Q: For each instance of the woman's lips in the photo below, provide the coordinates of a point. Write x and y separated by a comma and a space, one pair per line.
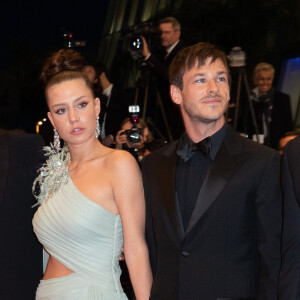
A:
77, 130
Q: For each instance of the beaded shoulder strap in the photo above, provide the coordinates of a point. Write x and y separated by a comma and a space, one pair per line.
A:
52, 174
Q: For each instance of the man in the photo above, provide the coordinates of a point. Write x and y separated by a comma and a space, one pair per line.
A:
213, 214
288, 136
272, 108
289, 287
114, 102
170, 40
20, 253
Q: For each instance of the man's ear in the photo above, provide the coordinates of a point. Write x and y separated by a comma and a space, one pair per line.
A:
51, 119
176, 95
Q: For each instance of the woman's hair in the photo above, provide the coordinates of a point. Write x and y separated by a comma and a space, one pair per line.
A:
64, 65
263, 66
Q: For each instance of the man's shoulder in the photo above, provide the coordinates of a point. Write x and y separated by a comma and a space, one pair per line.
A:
281, 97
160, 153
238, 143
293, 147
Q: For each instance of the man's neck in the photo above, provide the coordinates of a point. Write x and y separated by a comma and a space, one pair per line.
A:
197, 131
170, 48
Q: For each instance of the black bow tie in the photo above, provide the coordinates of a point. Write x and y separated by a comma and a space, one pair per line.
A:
188, 150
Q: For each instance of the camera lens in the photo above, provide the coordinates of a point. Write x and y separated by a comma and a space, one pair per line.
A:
133, 135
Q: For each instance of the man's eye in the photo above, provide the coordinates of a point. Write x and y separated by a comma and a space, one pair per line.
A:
83, 104
201, 80
221, 79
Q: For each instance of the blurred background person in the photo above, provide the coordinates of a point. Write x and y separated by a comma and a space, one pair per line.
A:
138, 149
170, 31
272, 108
288, 136
114, 102
20, 252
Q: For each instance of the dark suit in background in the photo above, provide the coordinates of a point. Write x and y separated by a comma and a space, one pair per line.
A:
20, 253
116, 110
289, 281
231, 248
160, 67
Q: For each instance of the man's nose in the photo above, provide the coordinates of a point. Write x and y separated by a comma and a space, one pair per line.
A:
212, 86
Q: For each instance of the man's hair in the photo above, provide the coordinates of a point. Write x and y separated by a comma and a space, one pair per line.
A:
192, 56
100, 68
175, 24
263, 66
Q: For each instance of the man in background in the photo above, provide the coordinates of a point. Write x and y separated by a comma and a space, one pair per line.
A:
170, 31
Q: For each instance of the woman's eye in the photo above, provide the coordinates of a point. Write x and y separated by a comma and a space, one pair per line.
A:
83, 104
61, 111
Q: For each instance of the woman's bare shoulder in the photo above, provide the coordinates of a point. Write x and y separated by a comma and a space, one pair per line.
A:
121, 160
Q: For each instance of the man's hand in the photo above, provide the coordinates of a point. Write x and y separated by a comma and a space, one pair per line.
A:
145, 51
120, 139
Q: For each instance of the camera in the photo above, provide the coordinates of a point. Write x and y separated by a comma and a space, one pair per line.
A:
133, 134
147, 30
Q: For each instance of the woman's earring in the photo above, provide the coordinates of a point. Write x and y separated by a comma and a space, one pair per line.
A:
56, 142
97, 131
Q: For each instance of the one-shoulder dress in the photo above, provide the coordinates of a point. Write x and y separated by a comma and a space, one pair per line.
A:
84, 237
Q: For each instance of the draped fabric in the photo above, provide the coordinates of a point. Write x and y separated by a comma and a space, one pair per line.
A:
84, 237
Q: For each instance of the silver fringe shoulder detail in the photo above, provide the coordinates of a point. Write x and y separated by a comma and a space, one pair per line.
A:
52, 174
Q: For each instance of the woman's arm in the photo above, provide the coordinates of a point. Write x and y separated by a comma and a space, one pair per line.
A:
129, 196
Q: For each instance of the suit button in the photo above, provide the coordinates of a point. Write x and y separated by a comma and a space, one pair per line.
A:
185, 253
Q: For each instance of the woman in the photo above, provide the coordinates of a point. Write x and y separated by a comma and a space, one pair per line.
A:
272, 108
91, 197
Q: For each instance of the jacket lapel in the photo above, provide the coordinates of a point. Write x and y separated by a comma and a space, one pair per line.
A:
167, 187
221, 170
4, 161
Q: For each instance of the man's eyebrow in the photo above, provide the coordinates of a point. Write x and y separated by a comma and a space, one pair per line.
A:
203, 74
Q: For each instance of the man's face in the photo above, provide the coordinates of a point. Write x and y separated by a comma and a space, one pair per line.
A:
205, 94
168, 35
264, 81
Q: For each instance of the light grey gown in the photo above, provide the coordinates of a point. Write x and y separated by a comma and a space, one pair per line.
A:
84, 237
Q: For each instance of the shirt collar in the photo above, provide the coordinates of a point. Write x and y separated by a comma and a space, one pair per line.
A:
216, 141
107, 91
169, 49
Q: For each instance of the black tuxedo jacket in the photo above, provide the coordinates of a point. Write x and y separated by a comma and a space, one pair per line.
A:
289, 282
161, 66
231, 248
20, 253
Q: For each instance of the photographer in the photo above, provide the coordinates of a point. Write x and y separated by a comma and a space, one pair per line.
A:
138, 149
170, 40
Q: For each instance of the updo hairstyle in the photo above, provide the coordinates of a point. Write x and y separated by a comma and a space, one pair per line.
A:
64, 65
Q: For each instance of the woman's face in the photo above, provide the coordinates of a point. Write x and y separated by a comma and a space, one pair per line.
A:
73, 110
90, 73
264, 81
